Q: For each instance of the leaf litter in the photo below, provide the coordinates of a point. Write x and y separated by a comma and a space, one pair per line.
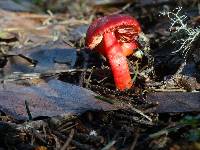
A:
43, 55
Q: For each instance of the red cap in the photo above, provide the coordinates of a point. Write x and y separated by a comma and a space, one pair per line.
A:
125, 27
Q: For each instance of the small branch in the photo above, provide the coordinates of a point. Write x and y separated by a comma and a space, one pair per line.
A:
28, 111
71, 135
135, 140
109, 145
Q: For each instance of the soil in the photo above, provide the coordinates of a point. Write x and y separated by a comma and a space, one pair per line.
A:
138, 122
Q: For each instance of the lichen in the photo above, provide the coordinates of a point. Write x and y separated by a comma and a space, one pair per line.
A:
182, 34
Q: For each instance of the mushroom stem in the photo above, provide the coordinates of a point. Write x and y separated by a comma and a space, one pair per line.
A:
117, 60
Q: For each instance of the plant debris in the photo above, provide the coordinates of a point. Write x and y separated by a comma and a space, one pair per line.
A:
55, 93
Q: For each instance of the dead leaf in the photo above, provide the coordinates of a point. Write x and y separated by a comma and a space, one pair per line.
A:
31, 28
14, 6
78, 33
52, 98
51, 57
175, 101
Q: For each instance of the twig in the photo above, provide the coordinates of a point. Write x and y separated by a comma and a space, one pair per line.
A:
109, 145
165, 131
136, 71
73, 22
71, 135
28, 110
57, 141
22, 76
123, 8
63, 130
89, 78
135, 140
64, 125
142, 114
170, 90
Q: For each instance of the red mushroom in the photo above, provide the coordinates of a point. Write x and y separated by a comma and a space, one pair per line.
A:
115, 37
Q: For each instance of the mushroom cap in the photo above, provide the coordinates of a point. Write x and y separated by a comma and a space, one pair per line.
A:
126, 28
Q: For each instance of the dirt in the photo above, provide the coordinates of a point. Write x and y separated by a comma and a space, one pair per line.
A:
161, 111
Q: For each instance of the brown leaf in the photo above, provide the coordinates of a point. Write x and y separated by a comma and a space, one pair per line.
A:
33, 28
49, 58
175, 101
52, 98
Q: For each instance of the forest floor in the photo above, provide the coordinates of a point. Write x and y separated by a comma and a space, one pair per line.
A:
56, 93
